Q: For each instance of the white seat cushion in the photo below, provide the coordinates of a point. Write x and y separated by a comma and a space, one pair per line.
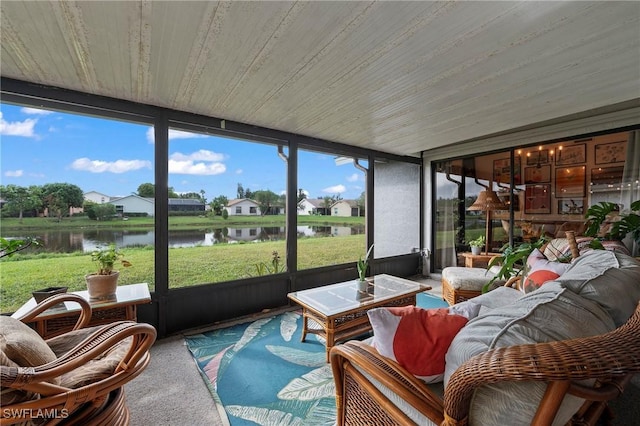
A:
468, 278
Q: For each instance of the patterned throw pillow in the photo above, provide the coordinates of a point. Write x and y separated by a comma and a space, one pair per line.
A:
558, 248
21, 346
541, 270
418, 338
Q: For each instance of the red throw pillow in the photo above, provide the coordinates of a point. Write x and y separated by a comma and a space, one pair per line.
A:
416, 338
540, 270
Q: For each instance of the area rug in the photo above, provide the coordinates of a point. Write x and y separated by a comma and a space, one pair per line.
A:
259, 372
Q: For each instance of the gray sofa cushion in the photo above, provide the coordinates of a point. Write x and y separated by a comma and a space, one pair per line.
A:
495, 298
548, 314
611, 279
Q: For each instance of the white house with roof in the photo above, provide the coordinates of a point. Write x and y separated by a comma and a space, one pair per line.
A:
134, 204
242, 207
308, 206
345, 208
97, 197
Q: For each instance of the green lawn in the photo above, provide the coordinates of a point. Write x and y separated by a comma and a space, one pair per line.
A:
21, 275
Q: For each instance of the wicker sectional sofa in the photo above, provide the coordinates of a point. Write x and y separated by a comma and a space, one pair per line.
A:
530, 358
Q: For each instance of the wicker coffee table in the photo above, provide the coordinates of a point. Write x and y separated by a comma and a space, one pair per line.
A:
338, 312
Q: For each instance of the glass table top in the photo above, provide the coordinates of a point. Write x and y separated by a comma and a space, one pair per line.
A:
341, 297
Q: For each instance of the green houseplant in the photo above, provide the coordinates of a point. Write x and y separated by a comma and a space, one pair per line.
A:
103, 284
363, 265
512, 260
477, 244
607, 222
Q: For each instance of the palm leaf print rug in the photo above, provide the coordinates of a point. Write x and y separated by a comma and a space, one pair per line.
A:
261, 373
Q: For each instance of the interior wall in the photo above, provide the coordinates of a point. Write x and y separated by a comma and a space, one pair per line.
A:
575, 128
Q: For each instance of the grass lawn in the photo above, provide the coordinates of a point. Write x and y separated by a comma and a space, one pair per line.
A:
20, 275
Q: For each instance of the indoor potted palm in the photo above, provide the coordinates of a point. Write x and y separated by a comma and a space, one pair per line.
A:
102, 285
607, 222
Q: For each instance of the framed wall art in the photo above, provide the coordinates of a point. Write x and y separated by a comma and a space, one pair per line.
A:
537, 199
613, 152
571, 154
606, 175
502, 171
570, 182
537, 174
571, 206
537, 157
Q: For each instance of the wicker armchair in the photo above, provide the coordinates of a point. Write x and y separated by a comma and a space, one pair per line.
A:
44, 393
611, 358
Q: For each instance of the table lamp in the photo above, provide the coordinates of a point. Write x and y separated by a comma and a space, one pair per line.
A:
487, 201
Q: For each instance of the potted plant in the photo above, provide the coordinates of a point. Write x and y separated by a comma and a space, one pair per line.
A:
512, 260
102, 285
607, 222
363, 265
477, 244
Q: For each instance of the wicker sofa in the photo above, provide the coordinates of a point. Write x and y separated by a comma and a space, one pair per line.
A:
552, 356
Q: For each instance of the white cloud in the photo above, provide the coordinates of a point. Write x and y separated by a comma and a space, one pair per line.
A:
336, 189
118, 166
173, 134
35, 111
202, 162
239, 171
18, 128
201, 155
353, 178
190, 168
14, 173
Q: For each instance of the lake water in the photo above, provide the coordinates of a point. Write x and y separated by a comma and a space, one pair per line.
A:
62, 241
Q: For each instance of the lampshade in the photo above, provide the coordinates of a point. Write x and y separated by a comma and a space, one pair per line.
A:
488, 200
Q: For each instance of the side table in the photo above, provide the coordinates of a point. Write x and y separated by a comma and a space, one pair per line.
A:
477, 260
59, 320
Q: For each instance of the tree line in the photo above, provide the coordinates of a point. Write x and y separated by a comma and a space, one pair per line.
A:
57, 199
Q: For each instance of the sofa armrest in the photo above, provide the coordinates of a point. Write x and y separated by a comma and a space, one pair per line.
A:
359, 401
610, 358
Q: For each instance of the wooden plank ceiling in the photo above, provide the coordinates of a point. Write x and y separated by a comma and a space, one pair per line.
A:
400, 77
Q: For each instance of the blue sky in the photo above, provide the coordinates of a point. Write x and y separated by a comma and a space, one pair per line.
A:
115, 157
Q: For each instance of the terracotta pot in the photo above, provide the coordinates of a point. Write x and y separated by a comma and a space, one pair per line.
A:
102, 287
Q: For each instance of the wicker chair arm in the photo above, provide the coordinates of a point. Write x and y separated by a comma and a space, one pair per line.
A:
85, 308
105, 337
360, 360
608, 357
514, 282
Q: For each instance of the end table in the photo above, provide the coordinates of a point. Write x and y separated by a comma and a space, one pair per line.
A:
59, 320
477, 260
